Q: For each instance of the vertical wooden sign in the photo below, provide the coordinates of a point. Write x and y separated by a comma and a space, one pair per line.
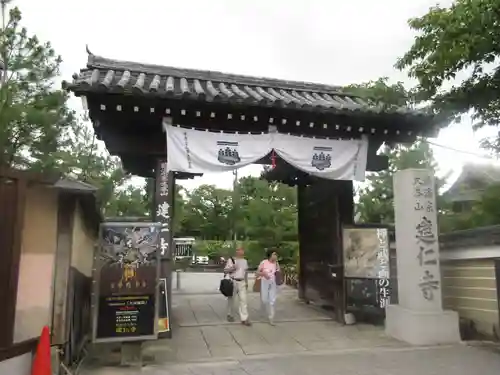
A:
163, 212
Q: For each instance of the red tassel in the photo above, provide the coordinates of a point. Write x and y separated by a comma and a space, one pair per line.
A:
273, 160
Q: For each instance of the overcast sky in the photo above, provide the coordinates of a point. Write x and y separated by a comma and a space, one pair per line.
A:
324, 41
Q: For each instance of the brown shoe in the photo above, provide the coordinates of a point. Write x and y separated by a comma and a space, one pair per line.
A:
246, 323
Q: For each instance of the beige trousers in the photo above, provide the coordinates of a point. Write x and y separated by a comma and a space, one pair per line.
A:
239, 293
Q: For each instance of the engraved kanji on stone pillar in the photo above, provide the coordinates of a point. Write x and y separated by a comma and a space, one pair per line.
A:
164, 193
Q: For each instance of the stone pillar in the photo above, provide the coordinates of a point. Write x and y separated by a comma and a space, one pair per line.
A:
163, 213
419, 318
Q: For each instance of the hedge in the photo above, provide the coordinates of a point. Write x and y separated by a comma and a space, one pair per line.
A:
254, 250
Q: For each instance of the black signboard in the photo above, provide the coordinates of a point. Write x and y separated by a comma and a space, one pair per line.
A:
125, 316
361, 293
126, 282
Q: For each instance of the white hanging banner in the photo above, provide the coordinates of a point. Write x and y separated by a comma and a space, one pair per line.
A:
325, 158
196, 151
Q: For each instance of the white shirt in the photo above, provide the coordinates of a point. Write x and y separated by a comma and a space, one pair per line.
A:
241, 268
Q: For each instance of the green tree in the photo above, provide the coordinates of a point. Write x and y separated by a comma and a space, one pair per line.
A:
38, 131
267, 211
33, 113
127, 201
207, 213
376, 200
382, 91
82, 159
460, 40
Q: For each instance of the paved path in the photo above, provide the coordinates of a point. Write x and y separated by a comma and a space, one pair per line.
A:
304, 341
445, 360
201, 332
210, 309
196, 282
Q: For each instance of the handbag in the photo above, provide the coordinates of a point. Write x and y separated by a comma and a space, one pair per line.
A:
226, 287
256, 285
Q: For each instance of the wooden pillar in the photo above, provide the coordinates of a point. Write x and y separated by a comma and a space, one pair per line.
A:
345, 216
346, 201
302, 241
12, 202
162, 213
62, 311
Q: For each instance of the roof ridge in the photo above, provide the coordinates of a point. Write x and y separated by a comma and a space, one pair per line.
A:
99, 62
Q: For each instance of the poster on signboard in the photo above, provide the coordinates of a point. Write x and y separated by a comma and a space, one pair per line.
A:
360, 247
125, 282
366, 265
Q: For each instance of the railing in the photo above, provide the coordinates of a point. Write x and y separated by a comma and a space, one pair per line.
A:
290, 275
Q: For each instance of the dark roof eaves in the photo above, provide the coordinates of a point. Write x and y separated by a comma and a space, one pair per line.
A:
98, 62
74, 186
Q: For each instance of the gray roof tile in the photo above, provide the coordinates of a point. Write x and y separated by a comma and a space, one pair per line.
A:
115, 76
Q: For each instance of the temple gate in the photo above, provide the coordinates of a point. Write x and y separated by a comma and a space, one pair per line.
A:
129, 103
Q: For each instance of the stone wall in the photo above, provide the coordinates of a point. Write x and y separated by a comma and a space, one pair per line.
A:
470, 260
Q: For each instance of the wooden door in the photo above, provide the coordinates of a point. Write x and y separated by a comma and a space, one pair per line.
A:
323, 208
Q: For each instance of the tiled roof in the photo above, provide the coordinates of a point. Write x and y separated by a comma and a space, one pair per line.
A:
483, 174
105, 75
73, 185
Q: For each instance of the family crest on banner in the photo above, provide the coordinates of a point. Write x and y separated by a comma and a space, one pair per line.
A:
197, 151
326, 158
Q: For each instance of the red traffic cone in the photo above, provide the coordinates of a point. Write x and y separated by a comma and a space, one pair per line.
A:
41, 363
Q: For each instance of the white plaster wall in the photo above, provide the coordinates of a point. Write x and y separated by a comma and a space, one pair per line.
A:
16, 366
36, 269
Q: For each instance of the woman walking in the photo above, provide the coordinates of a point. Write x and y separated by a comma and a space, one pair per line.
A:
267, 273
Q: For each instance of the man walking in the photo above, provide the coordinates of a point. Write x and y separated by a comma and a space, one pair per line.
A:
237, 269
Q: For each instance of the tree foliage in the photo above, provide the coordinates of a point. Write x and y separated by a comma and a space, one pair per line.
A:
265, 211
463, 39
38, 129
383, 91
376, 200
33, 114
376, 197
455, 58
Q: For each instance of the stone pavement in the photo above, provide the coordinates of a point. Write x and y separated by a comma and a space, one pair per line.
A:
210, 309
444, 360
196, 282
201, 332
304, 341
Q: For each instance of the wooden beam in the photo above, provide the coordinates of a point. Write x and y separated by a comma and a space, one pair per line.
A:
120, 144
18, 349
